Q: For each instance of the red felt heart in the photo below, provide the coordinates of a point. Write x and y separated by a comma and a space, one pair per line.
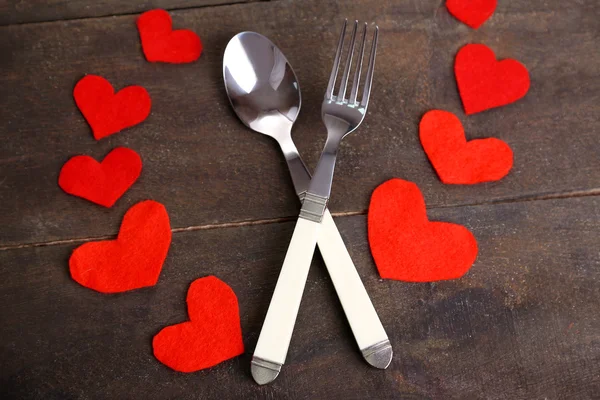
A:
457, 161
107, 112
134, 260
471, 12
101, 183
484, 82
213, 334
162, 44
406, 246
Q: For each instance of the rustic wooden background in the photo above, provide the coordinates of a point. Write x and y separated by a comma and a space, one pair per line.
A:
524, 323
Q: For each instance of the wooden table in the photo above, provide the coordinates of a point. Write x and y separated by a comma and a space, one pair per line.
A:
524, 323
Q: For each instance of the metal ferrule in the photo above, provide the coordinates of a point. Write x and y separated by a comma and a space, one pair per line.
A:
301, 196
313, 207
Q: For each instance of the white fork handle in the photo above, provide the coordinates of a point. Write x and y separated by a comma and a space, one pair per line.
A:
364, 322
276, 331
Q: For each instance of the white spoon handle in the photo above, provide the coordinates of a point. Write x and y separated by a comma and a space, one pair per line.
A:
364, 322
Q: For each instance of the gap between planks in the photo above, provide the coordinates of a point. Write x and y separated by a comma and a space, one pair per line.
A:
268, 221
49, 21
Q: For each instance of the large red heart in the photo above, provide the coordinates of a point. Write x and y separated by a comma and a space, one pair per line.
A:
101, 183
213, 334
457, 161
162, 44
471, 12
406, 246
107, 112
134, 260
484, 82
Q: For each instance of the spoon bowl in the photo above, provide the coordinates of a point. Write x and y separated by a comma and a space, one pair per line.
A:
261, 84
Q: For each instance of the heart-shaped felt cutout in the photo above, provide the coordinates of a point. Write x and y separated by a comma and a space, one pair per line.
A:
471, 12
406, 246
162, 44
213, 334
484, 82
108, 112
134, 260
101, 183
457, 161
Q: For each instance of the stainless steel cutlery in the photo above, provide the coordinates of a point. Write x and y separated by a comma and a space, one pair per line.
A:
265, 94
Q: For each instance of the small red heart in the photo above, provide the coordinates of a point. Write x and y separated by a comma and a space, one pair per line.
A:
162, 44
457, 161
101, 183
472, 12
134, 260
406, 246
107, 112
484, 82
213, 334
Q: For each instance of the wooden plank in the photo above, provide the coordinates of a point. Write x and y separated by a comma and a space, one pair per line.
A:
207, 168
522, 324
27, 11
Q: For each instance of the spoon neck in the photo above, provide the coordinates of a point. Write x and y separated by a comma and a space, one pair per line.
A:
287, 146
298, 170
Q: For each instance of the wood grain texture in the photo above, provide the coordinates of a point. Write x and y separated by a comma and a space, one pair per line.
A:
207, 168
522, 324
27, 11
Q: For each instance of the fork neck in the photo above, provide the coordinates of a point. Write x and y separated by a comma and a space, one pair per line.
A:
320, 185
319, 190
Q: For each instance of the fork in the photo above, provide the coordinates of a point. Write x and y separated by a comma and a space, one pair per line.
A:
341, 116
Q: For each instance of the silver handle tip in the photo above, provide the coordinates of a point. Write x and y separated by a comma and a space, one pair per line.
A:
264, 371
379, 355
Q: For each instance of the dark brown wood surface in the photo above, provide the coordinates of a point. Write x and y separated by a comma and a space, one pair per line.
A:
553, 130
25, 11
522, 324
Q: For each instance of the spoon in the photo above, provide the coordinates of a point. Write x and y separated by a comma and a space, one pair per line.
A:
265, 94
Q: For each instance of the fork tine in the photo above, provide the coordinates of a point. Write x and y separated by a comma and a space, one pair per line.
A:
342, 93
354, 92
336, 63
369, 79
